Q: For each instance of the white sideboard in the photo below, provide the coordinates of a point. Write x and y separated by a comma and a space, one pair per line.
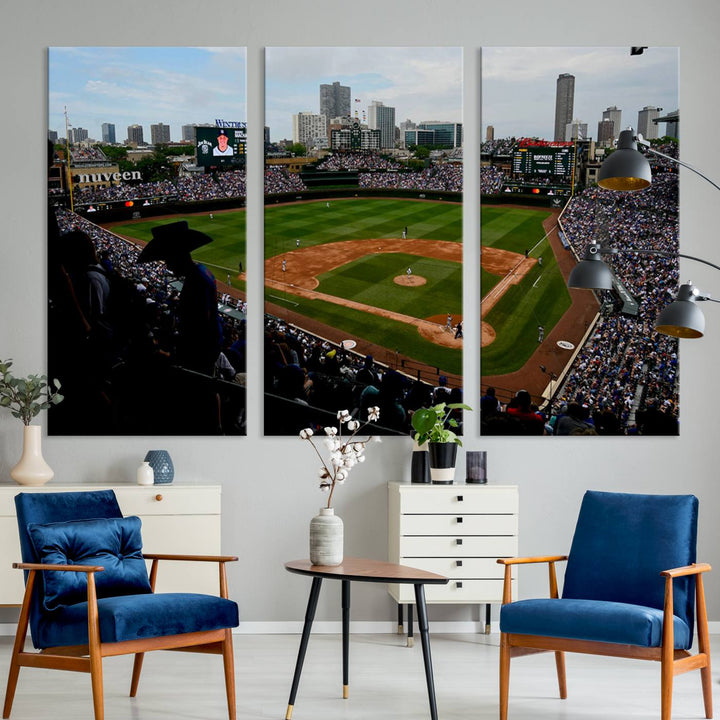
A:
457, 530
176, 518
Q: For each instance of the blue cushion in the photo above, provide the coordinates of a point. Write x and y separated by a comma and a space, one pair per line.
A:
138, 616
623, 541
113, 543
601, 621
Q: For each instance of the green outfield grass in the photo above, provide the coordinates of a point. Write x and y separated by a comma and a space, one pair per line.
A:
222, 256
541, 298
314, 223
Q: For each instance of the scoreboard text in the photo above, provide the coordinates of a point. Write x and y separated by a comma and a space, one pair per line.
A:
543, 161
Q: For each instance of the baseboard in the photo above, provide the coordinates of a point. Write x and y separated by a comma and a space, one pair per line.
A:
294, 627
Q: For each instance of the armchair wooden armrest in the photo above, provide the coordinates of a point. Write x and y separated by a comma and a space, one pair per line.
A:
509, 562
220, 559
68, 568
193, 558
694, 569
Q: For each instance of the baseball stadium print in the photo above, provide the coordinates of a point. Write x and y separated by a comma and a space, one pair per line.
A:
363, 234
560, 361
146, 240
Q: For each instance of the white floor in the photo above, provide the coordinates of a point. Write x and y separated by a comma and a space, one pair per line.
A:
387, 682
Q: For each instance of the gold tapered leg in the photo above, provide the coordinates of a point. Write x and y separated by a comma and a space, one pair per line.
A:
288, 714
411, 642
346, 692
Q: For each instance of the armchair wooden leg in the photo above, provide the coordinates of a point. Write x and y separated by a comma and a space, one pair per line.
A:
562, 682
96, 677
504, 675
19, 645
229, 665
137, 668
704, 645
96, 670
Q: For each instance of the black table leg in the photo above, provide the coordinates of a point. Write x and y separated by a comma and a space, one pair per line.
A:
487, 618
410, 637
346, 635
309, 615
400, 629
425, 640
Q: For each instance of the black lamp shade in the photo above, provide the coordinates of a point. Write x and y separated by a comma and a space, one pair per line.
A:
591, 273
682, 318
626, 169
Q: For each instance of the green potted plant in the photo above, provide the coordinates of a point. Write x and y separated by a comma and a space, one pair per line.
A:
434, 426
25, 398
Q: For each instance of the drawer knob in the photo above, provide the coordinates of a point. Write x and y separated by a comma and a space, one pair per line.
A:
158, 497
458, 585
459, 563
458, 541
459, 519
460, 498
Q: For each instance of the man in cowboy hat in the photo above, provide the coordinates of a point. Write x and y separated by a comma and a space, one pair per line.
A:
199, 330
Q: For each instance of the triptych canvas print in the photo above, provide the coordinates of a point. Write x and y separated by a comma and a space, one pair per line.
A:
362, 270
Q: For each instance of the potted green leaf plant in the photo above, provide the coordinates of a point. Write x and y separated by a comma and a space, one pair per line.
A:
25, 398
434, 426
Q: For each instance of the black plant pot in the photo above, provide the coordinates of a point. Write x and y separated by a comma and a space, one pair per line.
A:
442, 462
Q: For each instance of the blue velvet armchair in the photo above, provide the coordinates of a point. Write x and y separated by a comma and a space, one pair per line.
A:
88, 594
632, 589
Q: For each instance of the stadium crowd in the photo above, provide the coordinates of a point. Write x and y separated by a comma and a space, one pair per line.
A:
113, 340
279, 180
624, 380
305, 374
444, 177
361, 160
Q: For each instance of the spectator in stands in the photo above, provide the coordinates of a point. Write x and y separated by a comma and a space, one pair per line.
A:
489, 404
199, 330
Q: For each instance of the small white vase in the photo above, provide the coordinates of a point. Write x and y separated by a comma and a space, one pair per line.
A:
32, 468
326, 538
145, 474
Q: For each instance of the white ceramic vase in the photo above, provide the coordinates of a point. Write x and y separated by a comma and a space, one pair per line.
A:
145, 474
32, 468
326, 538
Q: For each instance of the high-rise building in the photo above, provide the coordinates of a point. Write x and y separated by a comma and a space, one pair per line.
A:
490, 133
77, 134
447, 134
564, 104
382, 117
334, 100
159, 134
614, 114
575, 130
606, 131
310, 130
108, 133
187, 133
672, 124
52, 136
645, 126
135, 135
266, 135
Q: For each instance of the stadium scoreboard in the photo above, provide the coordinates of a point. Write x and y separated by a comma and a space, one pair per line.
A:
543, 161
221, 145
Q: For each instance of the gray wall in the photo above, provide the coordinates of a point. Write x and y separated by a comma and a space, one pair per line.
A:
269, 484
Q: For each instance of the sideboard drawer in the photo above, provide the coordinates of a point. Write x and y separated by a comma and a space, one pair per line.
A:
458, 525
473, 568
166, 500
456, 591
459, 499
447, 546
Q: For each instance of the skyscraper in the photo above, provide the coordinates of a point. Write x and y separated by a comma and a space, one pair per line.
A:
606, 131
382, 117
159, 134
334, 100
575, 130
188, 133
78, 134
490, 133
646, 127
108, 133
612, 113
564, 104
310, 130
135, 135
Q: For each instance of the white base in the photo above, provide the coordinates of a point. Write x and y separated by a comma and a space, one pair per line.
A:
443, 475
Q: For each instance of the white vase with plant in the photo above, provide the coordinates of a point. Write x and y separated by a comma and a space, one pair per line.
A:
326, 528
434, 426
25, 398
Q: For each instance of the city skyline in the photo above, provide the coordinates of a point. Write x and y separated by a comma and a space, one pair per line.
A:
519, 85
420, 83
126, 86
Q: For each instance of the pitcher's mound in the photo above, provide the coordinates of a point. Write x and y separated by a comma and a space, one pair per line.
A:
409, 280
488, 334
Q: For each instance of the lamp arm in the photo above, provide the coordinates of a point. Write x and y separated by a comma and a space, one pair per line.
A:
647, 146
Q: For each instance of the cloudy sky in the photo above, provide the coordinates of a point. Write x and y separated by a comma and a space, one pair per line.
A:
420, 83
518, 86
144, 86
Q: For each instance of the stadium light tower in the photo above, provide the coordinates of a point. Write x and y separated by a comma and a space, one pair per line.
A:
682, 318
